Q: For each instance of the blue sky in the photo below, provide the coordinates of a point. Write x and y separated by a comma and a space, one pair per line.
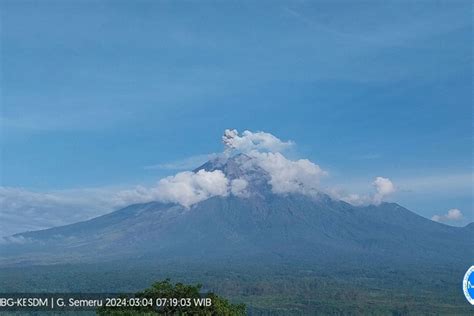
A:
94, 92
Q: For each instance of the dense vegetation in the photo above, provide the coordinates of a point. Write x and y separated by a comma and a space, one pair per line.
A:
177, 299
267, 289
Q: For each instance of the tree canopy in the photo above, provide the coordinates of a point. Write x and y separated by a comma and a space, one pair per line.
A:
166, 298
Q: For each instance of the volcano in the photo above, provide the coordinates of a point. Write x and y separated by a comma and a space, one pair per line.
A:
256, 227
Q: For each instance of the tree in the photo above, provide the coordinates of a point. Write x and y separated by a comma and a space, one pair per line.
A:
166, 298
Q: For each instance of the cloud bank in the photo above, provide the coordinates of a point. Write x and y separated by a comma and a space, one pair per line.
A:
453, 214
288, 176
187, 188
384, 187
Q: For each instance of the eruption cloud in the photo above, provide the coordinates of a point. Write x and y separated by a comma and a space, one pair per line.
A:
250, 141
265, 152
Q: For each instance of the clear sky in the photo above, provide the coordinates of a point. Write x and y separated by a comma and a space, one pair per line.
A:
93, 92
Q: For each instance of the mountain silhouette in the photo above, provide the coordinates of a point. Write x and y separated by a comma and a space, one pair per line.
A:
261, 226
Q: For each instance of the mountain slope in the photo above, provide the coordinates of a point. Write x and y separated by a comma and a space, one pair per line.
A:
260, 226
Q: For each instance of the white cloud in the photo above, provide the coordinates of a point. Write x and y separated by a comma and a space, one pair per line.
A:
384, 187
188, 188
453, 214
250, 141
288, 176
238, 187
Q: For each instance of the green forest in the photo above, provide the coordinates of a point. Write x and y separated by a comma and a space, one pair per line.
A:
264, 289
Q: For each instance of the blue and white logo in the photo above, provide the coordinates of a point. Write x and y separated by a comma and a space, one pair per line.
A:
468, 285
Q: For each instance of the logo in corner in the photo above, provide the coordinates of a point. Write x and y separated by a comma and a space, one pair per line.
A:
468, 285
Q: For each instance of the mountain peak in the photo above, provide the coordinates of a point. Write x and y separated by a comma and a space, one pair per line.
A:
232, 166
240, 166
